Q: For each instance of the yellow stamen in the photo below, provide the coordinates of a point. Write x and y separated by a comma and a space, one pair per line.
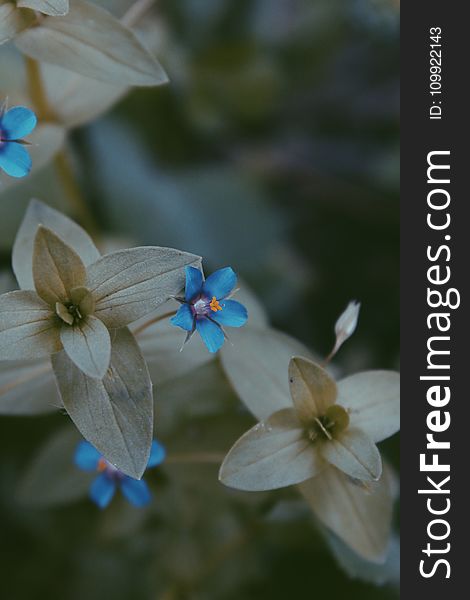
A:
215, 306
101, 465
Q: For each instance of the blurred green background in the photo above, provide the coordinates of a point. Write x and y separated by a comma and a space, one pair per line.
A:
273, 149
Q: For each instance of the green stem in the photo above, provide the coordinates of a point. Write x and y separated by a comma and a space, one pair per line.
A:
203, 458
36, 90
156, 319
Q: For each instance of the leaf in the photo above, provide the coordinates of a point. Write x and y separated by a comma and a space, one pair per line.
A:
311, 388
88, 345
90, 41
114, 414
273, 454
361, 516
28, 328
129, 284
56, 8
52, 478
354, 453
373, 402
37, 214
13, 20
256, 363
57, 269
27, 388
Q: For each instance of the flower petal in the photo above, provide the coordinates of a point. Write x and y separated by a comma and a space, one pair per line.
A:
157, 454
311, 388
88, 345
56, 8
86, 456
354, 453
17, 123
57, 269
184, 318
28, 328
220, 283
194, 282
211, 334
13, 20
27, 387
14, 159
136, 491
273, 454
373, 402
233, 314
102, 490
361, 516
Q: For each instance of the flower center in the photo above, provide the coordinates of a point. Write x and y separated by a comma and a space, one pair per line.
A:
104, 466
203, 307
80, 305
214, 305
326, 427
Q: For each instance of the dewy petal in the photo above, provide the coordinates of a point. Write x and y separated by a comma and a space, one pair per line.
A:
86, 456
128, 284
14, 159
220, 283
211, 334
57, 269
17, 123
373, 402
157, 454
102, 490
88, 345
361, 516
233, 314
28, 328
184, 318
55, 8
311, 388
271, 455
136, 491
354, 453
194, 282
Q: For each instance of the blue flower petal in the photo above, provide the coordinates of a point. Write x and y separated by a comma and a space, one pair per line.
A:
233, 314
17, 123
157, 454
193, 283
102, 490
220, 283
86, 456
184, 318
14, 159
211, 334
136, 491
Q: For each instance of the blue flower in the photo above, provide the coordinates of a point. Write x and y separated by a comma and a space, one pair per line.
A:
15, 124
206, 307
104, 486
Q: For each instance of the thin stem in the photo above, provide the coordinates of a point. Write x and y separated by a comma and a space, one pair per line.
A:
136, 12
207, 458
156, 319
36, 90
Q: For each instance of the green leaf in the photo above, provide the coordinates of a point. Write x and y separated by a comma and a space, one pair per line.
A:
129, 284
90, 41
311, 388
88, 345
56, 8
114, 414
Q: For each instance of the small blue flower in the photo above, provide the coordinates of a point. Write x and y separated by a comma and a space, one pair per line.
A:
206, 307
104, 486
15, 124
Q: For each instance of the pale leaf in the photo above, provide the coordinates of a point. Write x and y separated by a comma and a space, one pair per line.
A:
354, 453
311, 388
92, 42
13, 20
56, 8
114, 414
88, 345
28, 328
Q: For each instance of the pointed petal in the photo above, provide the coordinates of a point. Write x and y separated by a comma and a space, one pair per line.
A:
194, 281
129, 284
233, 314
184, 318
360, 516
136, 491
86, 456
373, 402
355, 454
271, 455
220, 283
17, 123
28, 328
88, 345
55, 8
14, 159
211, 334
102, 490
57, 269
311, 388
12, 20
157, 454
